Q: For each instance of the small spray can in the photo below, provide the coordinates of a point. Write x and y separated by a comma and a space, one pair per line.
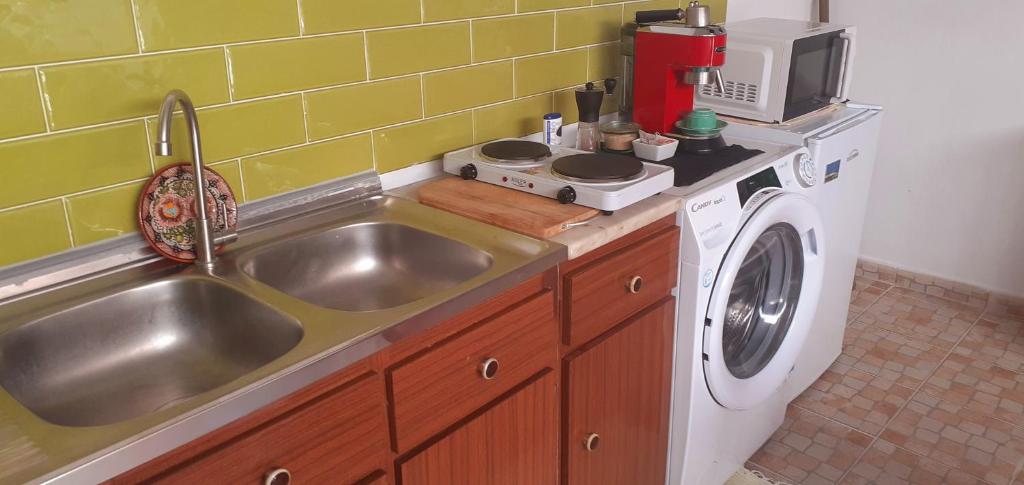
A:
553, 128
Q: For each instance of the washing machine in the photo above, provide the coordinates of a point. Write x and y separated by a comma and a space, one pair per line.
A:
843, 141
752, 253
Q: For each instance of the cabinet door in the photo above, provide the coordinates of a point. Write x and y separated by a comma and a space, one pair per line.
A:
618, 403
514, 442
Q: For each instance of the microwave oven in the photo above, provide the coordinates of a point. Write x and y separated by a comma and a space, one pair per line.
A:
777, 69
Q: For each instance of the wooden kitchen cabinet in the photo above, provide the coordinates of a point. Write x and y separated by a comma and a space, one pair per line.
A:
513, 442
564, 379
618, 320
617, 402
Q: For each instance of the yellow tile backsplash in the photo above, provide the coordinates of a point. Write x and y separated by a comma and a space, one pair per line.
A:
395, 52
99, 215
584, 26
460, 9
548, 72
39, 230
295, 168
409, 144
34, 31
290, 93
509, 120
173, 24
447, 91
271, 67
44, 167
19, 104
534, 5
349, 109
605, 61
98, 92
241, 129
323, 16
504, 37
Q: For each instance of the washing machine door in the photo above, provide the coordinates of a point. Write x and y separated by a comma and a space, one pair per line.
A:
764, 299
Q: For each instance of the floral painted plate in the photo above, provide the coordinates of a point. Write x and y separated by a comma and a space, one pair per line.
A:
167, 209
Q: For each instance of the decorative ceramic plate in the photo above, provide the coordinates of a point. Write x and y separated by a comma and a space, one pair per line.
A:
167, 208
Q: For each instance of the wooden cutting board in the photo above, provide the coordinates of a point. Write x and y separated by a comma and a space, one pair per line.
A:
517, 211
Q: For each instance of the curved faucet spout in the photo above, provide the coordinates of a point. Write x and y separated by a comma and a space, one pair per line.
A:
204, 233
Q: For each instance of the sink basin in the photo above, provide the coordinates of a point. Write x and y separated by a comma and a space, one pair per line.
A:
366, 266
138, 351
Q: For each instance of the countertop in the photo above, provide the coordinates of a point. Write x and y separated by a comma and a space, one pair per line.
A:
597, 232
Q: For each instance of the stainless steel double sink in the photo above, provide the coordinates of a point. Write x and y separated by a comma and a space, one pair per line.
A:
153, 337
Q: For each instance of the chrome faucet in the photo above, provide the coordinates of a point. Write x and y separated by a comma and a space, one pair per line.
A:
204, 232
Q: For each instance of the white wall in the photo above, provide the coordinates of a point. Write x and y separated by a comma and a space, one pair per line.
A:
784, 9
947, 197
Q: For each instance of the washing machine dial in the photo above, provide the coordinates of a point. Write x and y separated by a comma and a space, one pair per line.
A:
806, 172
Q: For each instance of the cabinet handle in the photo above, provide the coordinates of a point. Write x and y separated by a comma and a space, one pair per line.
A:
281, 476
489, 369
634, 285
593, 439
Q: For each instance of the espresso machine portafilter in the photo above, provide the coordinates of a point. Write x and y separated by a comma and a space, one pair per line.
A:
664, 60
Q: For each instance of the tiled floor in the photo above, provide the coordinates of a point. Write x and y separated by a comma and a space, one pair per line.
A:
928, 390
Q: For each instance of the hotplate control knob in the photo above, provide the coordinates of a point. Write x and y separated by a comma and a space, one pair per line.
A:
567, 195
468, 172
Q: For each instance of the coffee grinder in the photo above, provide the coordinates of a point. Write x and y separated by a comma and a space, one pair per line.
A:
671, 59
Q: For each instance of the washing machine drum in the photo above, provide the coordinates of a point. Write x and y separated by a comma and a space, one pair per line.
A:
764, 299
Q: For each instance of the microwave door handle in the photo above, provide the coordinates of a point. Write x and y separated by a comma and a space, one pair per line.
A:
845, 70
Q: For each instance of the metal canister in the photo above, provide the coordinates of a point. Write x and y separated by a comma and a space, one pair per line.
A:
552, 128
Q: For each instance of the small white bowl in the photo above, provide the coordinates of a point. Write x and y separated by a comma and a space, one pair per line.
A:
655, 153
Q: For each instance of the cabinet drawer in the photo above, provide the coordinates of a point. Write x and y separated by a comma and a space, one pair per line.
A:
515, 442
447, 382
603, 293
339, 437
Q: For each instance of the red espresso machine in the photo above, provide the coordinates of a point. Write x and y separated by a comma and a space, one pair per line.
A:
671, 58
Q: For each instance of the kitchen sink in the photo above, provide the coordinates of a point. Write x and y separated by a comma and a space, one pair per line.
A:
138, 351
366, 266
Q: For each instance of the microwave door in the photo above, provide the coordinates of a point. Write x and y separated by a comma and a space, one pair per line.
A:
815, 72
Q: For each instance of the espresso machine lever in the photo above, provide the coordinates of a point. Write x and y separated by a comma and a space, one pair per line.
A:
719, 82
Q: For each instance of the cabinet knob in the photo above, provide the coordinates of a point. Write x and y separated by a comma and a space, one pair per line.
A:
489, 369
593, 439
634, 285
281, 476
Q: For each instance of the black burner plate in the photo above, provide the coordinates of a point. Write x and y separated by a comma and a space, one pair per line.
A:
598, 166
515, 150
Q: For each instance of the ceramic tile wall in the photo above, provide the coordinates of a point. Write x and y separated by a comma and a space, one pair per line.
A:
290, 93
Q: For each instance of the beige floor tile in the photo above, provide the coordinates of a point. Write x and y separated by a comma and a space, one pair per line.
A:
906, 360
887, 464
865, 292
959, 437
981, 386
863, 401
996, 339
940, 322
810, 449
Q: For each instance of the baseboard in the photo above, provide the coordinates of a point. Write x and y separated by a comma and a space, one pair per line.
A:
968, 294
